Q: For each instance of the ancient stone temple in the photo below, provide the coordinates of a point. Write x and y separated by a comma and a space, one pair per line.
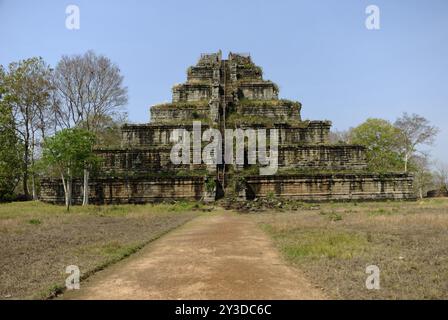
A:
222, 94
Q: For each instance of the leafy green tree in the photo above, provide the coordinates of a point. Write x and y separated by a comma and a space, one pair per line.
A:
381, 140
10, 148
89, 93
28, 88
68, 153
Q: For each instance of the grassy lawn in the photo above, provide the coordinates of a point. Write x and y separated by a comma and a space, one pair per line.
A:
38, 241
333, 243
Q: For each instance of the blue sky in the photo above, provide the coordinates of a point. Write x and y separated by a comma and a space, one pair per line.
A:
319, 52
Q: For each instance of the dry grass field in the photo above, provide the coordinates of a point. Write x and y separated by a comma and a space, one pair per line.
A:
331, 243
38, 241
334, 242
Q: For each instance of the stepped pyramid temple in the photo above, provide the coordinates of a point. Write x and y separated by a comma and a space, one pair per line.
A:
230, 94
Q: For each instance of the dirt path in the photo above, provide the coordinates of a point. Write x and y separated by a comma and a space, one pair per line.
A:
222, 256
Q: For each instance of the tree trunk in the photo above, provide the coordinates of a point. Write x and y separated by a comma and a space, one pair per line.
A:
33, 187
26, 154
33, 176
69, 191
406, 162
25, 171
26, 193
85, 200
64, 184
69, 194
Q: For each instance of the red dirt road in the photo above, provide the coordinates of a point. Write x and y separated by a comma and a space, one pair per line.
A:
223, 256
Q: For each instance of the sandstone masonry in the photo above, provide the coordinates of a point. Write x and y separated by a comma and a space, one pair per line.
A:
231, 93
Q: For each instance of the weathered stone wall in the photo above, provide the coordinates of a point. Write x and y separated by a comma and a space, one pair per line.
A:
199, 74
155, 160
192, 92
275, 112
308, 132
164, 114
243, 68
120, 191
131, 161
210, 59
150, 135
326, 157
313, 132
145, 135
264, 90
323, 187
248, 73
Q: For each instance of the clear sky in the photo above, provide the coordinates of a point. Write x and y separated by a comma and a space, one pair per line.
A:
318, 51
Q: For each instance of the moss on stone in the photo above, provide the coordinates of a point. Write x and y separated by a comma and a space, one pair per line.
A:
269, 103
183, 105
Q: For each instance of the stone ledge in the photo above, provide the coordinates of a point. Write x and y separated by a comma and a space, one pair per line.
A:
127, 190
390, 175
329, 187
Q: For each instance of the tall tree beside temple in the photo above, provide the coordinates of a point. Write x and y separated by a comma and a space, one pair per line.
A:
423, 178
380, 138
89, 91
441, 176
10, 154
27, 86
415, 130
68, 152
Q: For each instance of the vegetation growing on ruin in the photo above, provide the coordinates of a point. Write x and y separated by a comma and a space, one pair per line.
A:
236, 119
210, 183
257, 71
205, 121
166, 173
235, 183
183, 105
269, 103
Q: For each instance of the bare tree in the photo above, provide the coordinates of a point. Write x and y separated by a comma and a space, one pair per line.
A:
441, 176
340, 136
415, 130
89, 89
423, 178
